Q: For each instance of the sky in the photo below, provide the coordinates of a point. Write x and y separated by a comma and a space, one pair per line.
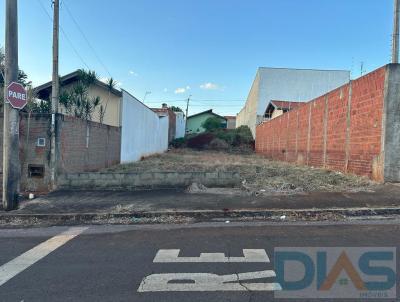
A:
209, 49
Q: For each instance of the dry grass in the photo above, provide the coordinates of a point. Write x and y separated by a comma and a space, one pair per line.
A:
259, 173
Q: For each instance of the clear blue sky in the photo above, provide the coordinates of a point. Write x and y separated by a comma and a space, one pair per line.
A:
210, 49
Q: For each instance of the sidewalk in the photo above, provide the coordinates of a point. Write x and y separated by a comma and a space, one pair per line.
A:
180, 206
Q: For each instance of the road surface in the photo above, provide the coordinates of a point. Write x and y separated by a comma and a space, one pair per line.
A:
119, 263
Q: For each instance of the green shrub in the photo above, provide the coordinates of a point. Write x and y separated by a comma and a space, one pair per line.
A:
236, 140
179, 142
244, 135
212, 123
235, 137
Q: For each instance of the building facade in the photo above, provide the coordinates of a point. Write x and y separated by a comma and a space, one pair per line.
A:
166, 111
110, 98
231, 122
286, 84
180, 125
277, 108
195, 122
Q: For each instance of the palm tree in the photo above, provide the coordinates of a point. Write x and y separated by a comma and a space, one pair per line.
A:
77, 101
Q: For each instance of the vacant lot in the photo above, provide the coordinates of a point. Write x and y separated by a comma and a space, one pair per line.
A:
259, 174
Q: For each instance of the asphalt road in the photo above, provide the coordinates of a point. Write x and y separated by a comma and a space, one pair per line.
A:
110, 263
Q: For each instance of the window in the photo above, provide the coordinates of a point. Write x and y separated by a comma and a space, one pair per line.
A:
41, 142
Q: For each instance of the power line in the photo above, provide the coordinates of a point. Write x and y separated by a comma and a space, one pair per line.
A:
86, 39
199, 105
215, 106
219, 100
64, 34
200, 101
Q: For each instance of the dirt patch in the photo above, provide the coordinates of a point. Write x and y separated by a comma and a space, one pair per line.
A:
258, 174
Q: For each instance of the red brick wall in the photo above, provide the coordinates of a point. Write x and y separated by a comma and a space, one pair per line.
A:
341, 130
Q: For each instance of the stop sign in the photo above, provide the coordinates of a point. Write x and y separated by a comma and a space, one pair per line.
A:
16, 95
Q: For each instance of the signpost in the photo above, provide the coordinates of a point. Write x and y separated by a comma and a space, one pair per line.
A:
16, 95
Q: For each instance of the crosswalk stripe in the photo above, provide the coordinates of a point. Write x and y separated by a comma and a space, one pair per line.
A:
22, 262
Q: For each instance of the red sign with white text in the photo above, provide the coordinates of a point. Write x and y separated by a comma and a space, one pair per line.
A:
16, 95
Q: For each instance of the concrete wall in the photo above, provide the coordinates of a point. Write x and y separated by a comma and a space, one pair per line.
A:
110, 181
354, 129
171, 121
248, 115
286, 84
391, 119
143, 131
180, 125
231, 122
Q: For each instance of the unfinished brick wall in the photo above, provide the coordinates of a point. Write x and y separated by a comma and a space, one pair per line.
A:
342, 130
102, 150
31, 127
88, 146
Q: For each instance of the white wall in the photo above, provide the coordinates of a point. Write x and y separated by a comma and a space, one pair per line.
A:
143, 131
180, 125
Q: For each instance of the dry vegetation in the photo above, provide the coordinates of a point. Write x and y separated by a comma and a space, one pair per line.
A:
260, 174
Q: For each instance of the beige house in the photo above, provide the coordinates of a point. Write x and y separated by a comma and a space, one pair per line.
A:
277, 108
109, 99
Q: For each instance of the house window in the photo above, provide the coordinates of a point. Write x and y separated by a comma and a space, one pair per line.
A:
41, 142
268, 114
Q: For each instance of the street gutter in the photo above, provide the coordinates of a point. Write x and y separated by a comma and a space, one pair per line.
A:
195, 216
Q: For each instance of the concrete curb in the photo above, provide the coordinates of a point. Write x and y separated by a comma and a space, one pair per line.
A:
192, 216
135, 181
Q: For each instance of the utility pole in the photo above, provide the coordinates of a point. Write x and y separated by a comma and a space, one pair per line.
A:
11, 165
187, 112
145, 95
395, 49
54, 95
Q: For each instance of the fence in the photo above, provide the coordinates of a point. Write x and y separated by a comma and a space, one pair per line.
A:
84, 146
354, 129
143, 131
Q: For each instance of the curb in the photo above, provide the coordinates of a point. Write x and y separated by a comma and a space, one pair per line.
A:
192, 216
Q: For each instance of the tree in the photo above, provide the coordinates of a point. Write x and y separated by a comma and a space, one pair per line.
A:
35, 105
76, 100
212, 123
176, 109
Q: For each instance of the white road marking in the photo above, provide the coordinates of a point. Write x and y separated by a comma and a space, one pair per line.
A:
22, 262
201, 282
250, 256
